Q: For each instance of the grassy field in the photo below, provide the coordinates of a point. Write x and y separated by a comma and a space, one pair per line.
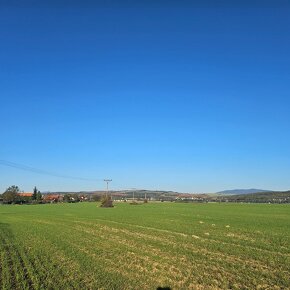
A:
182, 246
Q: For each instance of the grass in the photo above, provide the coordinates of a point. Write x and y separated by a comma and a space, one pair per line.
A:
182, 246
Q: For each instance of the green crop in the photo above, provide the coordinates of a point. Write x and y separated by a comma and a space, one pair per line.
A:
182, 246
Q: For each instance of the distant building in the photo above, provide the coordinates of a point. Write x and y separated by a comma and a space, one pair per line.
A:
52, 197
119, 196
25, 194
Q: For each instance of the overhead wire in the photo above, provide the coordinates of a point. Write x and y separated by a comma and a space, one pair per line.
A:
44, 172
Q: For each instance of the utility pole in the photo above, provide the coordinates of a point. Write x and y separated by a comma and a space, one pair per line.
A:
107, 181
133, 189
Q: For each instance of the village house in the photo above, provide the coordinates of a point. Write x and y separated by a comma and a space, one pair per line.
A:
25, 194
52, 197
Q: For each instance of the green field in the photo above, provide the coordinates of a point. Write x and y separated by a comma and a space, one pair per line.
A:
182, 246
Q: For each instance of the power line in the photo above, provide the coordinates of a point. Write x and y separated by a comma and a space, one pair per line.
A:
40, 171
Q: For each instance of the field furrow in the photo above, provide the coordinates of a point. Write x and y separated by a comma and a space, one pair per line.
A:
183, 246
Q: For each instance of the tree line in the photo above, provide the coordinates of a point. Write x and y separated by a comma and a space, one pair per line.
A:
12, 195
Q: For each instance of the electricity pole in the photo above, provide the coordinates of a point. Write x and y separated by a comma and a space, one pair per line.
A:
107, 181
133, 189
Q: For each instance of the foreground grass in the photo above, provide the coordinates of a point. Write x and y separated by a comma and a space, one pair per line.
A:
182, 246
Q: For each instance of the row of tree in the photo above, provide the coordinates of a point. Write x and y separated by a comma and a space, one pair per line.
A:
13, 195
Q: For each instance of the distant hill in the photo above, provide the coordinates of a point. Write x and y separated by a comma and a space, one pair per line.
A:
236, 195
241, 191
268, 196
141, 194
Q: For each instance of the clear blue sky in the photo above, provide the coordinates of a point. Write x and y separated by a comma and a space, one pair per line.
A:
154, 94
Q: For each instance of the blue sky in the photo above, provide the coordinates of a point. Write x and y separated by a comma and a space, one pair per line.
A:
179, 95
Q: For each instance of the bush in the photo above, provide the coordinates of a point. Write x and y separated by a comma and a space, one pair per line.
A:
135, 203
37, 202
106, 201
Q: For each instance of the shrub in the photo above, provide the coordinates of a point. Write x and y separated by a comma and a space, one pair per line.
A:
135, 203
106, 201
